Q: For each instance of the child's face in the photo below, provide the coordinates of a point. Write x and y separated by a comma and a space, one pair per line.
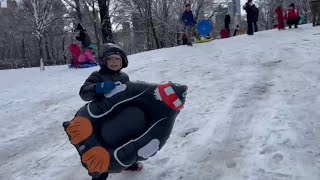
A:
114, 62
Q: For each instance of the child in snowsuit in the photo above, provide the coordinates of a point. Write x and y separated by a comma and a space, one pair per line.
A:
280, 18
236, 23
112, 59
292, 16
75, 52
224, 33
87, 57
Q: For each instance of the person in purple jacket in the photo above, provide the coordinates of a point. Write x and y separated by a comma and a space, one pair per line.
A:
188, 21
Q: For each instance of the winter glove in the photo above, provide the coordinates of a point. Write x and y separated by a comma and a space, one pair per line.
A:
105, 87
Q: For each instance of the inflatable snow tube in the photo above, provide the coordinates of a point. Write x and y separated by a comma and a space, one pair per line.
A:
204, 27
84, 65
129, 124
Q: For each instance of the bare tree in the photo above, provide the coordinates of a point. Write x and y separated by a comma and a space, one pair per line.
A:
38, 13
304, 8
157, 22
266, 13
107, 35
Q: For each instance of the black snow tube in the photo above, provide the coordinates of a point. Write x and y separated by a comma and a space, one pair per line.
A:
130, 124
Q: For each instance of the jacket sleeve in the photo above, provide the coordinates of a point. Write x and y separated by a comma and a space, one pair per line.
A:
126, 78
88, 90
244, 7
183, 17
194, 21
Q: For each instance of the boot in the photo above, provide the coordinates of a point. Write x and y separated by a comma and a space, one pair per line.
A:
189, 44
137, 166
103, 176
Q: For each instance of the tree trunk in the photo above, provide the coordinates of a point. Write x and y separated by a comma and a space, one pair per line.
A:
95, 25
148, 27
52, 51
151, 25
165, 32
24, 52
178, 36
107, 36
47, 47
78, 9
63, 47
42, 68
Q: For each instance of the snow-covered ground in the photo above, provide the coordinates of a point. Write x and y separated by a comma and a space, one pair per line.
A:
252, 112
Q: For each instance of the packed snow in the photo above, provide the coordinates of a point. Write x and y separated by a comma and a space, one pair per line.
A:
252, 112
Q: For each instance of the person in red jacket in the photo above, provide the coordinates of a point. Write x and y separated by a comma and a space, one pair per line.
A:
75, 52
280, 18
292, 16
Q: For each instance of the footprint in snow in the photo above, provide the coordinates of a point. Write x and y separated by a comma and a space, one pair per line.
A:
186, 132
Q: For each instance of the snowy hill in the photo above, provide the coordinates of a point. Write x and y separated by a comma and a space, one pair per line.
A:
252, 112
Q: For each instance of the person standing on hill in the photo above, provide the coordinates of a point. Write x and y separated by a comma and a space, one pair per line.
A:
280, 17
250, 9
315, 10
236, 23
255, 18
83, 37
227, 21
188, 21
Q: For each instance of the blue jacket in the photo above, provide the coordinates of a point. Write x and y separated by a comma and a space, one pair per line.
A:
187, 18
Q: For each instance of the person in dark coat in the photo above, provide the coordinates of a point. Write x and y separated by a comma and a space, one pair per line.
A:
83, 37
227, 21
188, 21
112, 60
250, 9
315, 11
256, 18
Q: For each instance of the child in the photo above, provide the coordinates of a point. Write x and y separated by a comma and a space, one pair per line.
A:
224, 33
236, 23
75, 52
292, 16
87, 57
280, 18
111, 59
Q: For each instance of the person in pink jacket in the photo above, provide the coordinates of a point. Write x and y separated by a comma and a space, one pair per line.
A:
87, 57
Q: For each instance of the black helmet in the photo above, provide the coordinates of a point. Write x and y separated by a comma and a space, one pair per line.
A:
112, 49
79, 27
292, 5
